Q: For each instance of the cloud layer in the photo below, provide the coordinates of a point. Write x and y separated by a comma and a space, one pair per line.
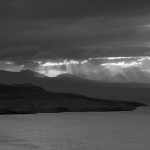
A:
109, 69
67, 29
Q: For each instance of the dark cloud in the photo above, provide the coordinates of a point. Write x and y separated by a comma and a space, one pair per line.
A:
69, 29
58, 9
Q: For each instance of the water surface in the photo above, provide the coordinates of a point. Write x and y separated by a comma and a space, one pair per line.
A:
77, 131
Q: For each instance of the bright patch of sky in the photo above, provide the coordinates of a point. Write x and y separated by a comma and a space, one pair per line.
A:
102, 68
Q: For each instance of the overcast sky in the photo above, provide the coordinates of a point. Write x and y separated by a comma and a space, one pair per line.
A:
73, 29
75, 36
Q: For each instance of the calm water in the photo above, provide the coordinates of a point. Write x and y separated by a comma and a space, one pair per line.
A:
77, 131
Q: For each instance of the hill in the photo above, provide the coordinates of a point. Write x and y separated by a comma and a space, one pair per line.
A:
27, 99
119, 91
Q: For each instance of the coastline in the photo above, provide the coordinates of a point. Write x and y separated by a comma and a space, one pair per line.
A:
29, 99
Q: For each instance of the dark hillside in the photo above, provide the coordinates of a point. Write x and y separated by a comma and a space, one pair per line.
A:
27, 98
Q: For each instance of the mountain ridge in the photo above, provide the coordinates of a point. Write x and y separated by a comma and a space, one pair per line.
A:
119, 91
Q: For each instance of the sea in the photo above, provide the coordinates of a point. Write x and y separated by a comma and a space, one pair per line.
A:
127, 130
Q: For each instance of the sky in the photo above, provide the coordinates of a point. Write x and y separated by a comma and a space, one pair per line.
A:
39, 34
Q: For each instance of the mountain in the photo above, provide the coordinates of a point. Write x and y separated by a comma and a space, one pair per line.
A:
7, 77
68, 77
120, 78
138, 76
113, 91
30, 99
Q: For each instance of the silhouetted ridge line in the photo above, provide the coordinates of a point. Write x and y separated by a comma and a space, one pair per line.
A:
137, 92
27, 99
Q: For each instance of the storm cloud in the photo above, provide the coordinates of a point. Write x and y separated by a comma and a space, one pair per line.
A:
32, 30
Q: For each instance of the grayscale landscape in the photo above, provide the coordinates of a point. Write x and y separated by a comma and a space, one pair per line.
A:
74, 75
34, 118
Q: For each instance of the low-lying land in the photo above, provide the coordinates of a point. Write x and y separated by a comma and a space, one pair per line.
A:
29, 99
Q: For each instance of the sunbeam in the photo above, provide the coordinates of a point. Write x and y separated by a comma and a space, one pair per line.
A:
111, 69
108, 69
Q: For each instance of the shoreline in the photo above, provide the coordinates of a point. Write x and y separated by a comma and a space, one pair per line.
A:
29, 99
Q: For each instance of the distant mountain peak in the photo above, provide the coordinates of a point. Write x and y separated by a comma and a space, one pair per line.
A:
66, 75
